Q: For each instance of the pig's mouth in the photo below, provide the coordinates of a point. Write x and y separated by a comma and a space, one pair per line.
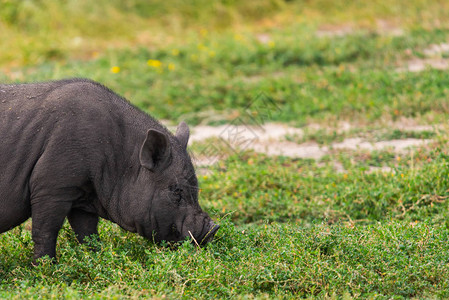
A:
175, 236
208, 234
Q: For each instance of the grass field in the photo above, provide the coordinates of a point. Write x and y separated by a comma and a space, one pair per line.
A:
354, 223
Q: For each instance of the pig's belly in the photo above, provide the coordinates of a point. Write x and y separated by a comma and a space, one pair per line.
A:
15, 208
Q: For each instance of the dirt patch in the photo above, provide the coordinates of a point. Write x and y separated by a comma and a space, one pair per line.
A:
290, 149
332, 31
264, 133
437, 50
418, 65
263, 38
397, 146
383, 27
435, 58
387, 27
270, 139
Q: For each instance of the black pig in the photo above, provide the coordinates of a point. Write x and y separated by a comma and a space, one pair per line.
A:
75, 149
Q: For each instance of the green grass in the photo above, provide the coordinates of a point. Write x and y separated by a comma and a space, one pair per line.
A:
213, 79
279, 189
381, 260
356, 223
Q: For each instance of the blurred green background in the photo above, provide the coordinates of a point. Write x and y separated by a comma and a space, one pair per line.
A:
202, 61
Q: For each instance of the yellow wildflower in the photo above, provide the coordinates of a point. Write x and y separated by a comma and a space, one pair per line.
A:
175, 52
154, 63
115, 69
171, 66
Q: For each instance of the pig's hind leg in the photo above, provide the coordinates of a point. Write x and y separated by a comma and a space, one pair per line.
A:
47, 218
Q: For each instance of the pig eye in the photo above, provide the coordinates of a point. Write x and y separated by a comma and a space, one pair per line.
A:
175, 189
177, 192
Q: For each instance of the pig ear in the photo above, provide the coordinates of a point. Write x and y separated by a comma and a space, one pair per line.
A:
182, 134
155, 151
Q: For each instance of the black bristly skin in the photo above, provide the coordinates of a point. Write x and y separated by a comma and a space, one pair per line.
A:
73, 148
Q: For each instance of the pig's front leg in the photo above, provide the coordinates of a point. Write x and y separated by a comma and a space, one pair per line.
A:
83, 223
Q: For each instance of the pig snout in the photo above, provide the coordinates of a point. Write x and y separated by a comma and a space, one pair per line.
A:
210, 231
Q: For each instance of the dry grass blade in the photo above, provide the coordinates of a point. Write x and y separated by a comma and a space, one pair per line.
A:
196, 243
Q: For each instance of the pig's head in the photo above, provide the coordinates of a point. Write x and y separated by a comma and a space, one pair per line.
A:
172, 186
